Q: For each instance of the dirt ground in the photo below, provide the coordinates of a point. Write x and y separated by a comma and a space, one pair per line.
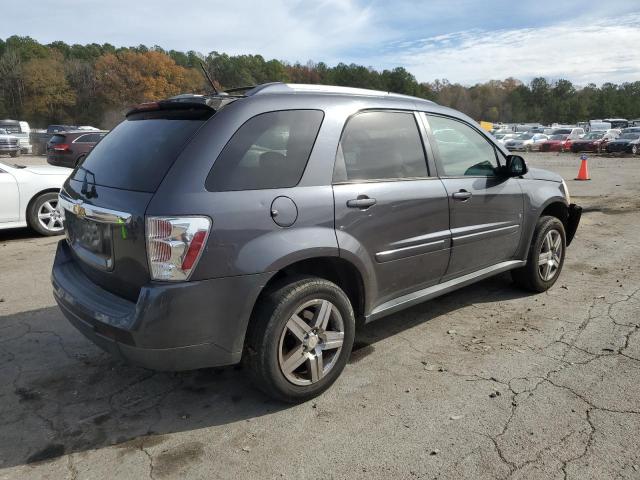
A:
486, 382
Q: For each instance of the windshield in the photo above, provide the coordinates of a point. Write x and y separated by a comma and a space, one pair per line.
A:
10, 128
562, 131
630, 136
138, 153
558, 137
594, 135
524, 136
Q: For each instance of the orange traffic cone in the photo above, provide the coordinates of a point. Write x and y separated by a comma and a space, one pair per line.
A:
583, 173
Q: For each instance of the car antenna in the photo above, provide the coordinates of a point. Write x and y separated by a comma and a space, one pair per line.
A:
206, 74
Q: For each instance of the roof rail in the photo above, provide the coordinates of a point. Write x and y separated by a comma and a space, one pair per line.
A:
302, 88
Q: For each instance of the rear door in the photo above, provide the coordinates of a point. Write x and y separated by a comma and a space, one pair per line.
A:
486, 210
388, 208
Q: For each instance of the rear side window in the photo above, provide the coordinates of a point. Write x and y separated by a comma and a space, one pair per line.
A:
378, 146
89, 138
270, 150
137, 154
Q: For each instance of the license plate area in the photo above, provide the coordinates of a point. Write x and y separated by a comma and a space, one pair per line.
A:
90, 240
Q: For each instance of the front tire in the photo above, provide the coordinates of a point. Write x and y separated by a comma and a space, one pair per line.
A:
634, 149
299, 339
43, 215
546, 256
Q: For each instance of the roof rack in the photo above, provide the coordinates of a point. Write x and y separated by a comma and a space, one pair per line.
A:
301, 88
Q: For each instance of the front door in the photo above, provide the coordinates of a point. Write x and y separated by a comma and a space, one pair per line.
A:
9, 198
388, 210
486, 210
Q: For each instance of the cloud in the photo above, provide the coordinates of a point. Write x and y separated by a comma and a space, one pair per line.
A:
285, 29
593, 51
462, 40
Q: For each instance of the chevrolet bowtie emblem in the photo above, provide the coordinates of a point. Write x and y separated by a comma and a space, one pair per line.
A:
79, 210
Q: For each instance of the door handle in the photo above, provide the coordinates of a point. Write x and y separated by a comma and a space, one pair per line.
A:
362, 202
462, 195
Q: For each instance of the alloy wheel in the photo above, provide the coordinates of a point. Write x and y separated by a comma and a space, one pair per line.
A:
550, 255
50, 217
311, 342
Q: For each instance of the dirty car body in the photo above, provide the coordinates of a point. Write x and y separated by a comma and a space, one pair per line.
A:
388, 234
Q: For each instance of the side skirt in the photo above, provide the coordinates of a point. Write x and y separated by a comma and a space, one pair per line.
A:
420, 296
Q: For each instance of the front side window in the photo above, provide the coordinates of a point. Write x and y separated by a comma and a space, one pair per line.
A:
380, 145
463, 151
270, 150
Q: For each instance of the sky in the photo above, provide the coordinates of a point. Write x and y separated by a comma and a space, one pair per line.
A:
460, 40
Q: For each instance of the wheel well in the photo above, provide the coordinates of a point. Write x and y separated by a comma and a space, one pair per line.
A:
33, 198
335, 269
558, 210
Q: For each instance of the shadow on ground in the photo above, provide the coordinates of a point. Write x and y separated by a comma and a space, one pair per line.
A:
61, 394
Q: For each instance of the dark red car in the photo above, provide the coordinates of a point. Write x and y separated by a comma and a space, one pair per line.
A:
68, 149
591, 142
556, 143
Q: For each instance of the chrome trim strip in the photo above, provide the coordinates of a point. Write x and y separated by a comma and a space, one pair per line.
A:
97, 214
420, 296
390, 255
474, 237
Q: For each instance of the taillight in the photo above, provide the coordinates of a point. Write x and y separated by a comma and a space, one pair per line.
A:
174, 245
61, 147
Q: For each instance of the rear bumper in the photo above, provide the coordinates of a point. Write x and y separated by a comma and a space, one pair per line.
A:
9, 148
60, 160
575, 212
182, 326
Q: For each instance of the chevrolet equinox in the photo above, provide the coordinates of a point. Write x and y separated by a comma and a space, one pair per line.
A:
261, 225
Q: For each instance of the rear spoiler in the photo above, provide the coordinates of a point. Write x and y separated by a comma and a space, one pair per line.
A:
200, 105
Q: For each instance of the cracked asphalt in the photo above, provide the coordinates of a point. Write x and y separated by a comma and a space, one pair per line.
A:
486, 382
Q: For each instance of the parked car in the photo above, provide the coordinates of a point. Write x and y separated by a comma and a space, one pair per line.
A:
507, 136
526, 142
9, 144
593, 141
556, 143
68, 149
20, 130
598, 126
573, 133
200, 234
29, 197
627, 142
617, 122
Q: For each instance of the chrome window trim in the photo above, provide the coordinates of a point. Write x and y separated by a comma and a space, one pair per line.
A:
92, 212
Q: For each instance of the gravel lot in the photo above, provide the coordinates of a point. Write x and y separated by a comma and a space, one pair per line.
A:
486, 382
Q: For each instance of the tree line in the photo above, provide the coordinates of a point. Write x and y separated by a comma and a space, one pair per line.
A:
94, 84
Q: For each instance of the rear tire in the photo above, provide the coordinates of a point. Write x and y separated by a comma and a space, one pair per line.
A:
15, 154
299, 339
546, 256
43, 216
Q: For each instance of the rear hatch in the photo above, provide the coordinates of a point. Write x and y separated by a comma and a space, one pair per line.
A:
106, 197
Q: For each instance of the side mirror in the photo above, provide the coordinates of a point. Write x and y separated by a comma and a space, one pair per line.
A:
515, 167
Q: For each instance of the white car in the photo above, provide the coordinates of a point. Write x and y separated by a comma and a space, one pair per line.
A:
29, 197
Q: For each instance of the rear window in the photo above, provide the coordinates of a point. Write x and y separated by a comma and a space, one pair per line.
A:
270, 150
137, 154
56, 139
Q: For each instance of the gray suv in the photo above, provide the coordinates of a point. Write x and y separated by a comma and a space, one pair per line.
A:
262, 225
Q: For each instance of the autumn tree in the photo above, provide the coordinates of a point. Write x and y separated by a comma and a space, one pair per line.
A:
46, 90
128, 77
